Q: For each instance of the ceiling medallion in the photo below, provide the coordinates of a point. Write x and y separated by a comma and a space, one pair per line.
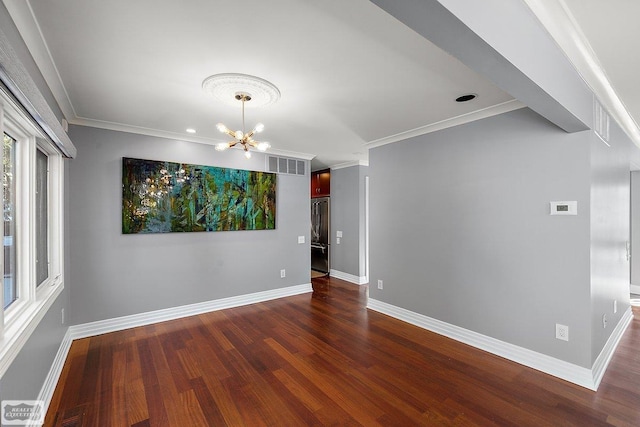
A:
225, 87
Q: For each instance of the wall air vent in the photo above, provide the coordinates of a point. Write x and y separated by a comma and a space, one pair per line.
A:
601, 122
286, 165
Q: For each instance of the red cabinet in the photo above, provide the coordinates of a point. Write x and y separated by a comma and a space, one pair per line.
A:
321, 183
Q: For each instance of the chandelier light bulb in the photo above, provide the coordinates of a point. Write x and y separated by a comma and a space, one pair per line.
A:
247, 154
263, 146
222, 128
239, 135
259, 128
222, 146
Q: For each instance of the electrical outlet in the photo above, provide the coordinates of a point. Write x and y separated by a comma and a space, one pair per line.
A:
379, 284
337, 240
562, 332
604, 321
62, 316
615, 306
283, 274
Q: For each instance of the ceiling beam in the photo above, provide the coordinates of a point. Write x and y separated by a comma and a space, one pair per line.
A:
504, 42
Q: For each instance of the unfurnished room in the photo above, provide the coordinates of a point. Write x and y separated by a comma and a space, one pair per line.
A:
301, 213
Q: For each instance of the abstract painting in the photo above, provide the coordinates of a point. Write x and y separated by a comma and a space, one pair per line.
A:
166, 197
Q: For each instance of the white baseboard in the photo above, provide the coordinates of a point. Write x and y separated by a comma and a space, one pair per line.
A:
120, 323
588, 378
49, 386
358, 280
142, 319
635, 289
602, 362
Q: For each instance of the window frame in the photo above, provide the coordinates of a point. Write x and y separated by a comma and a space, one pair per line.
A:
33, 301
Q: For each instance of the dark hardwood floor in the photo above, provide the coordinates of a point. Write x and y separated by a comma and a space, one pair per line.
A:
322, 359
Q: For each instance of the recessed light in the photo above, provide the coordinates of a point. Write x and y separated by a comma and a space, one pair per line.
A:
191, 130
466, 98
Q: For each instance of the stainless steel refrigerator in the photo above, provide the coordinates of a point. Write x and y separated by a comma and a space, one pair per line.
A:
320, 243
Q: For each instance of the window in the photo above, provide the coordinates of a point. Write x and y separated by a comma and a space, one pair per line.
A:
32, 234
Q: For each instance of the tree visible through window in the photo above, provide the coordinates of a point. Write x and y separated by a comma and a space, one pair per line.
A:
9, 203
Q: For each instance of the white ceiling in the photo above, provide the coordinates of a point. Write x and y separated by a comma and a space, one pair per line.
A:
350, 75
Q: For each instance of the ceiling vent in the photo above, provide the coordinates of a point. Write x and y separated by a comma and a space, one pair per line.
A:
286, 165
601, 122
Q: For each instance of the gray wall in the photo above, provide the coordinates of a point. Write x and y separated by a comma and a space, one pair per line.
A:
610, 204
26, 375
461, 231
544, 79
115, 275
635, 228
347, 215
362, 253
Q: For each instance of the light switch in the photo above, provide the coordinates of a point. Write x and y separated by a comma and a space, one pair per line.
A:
338, 233
300, 239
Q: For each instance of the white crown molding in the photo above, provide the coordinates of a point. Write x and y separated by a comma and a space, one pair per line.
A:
563, 27
141, 319
350, 164
24, 18
494, 110
358, 280
139, 130
119, 127
584, 377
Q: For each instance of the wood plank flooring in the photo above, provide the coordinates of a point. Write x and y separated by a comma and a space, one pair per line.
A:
322, 359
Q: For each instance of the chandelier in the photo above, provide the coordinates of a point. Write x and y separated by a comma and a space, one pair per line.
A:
232, 87
245, 139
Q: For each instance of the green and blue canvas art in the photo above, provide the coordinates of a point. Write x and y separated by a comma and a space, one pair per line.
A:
166, 197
